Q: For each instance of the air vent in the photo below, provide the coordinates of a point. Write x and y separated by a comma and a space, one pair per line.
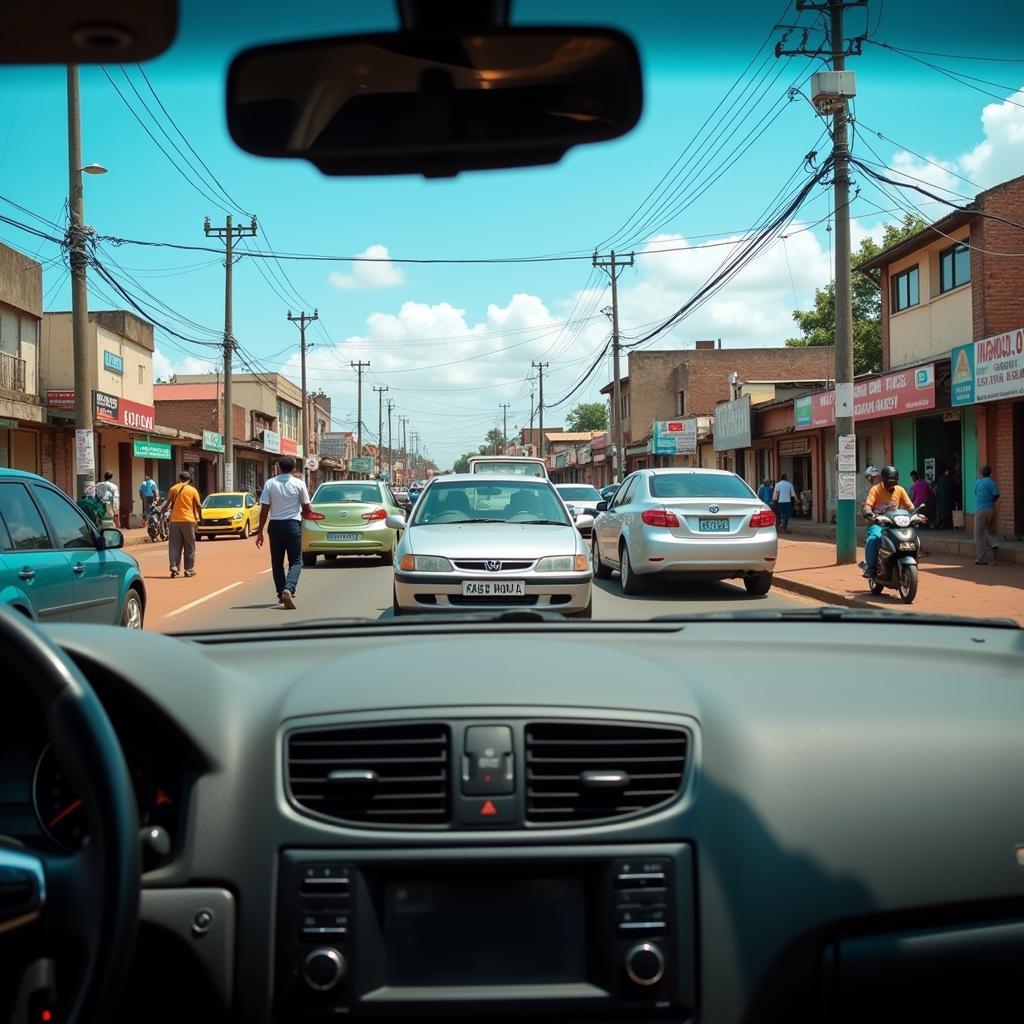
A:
385, 775
578, 772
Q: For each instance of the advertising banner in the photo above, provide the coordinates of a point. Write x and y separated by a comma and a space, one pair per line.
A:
85, 458
212, 441
361, 464
732, 424
334, 446
60, 399
674, 437
151, 450
990, 369
113, 362
272, 442
889, 395
288, 446
124, 413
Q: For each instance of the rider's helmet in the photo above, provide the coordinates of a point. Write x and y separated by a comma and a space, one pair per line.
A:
890, 475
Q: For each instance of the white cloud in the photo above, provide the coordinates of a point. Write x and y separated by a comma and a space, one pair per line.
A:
165, 367
377, 272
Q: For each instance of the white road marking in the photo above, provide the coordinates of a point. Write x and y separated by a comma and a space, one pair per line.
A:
192, 604
263, 572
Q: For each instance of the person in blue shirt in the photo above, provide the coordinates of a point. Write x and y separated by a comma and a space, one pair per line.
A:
764, 492
148, 492
986, 493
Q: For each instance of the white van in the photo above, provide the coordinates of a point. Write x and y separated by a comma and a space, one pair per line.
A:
505, 464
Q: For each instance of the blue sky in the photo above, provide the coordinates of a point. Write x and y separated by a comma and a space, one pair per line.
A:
453, 342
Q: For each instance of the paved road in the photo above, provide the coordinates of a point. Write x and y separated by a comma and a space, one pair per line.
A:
233, 588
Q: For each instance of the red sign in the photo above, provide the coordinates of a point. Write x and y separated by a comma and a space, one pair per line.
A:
890, 395
60, 399
289, 447
123, 413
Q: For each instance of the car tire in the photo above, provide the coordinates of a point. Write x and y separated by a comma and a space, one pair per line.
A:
388, 558
758, 585
396, 609
631, 583
244, 532
308, 559
601, 571
133, 613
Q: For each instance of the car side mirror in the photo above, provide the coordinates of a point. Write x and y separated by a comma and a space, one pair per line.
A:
394, 522
602, 506
111, 540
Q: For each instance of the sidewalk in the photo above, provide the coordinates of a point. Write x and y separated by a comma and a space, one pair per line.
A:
948, 585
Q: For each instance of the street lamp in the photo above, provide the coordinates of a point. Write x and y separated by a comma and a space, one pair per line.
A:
93, 169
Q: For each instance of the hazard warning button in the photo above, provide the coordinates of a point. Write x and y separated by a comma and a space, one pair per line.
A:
482, 810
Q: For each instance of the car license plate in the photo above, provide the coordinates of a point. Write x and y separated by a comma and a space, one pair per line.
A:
712, 525
340, 538
494, 588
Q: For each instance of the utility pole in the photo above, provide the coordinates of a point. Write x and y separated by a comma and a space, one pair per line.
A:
836, 103
504, 424
391, 450
359, 367
302, 319
540, 367
228, 233
531, 411
614, 265
380, 426
406, 474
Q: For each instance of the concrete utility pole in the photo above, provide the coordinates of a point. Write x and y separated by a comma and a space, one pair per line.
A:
359, 367
228, 233
613, 266
504, 424
540, 367
836, 103
403, 422
302, 319
380, 426
391, 450
531, 412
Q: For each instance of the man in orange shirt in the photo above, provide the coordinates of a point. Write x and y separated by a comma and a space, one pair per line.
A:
884, 497
186, 511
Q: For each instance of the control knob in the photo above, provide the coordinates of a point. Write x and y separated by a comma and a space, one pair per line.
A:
645, 965
323, 969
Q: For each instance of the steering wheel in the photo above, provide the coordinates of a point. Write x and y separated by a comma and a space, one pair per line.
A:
86, 902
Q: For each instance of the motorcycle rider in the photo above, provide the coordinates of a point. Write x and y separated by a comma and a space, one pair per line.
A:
885, 497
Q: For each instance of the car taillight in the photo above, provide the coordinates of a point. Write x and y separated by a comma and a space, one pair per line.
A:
376, 514
659, 517
766, 517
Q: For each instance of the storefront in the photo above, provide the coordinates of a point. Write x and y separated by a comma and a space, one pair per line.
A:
118, 421
599, 455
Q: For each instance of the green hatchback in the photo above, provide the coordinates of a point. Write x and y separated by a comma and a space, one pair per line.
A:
55, 566
354, 523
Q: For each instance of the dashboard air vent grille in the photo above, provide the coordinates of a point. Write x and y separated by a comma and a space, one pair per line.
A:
385, 775
578, 771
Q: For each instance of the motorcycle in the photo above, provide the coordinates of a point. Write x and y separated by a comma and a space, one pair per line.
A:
898, 553
157, 524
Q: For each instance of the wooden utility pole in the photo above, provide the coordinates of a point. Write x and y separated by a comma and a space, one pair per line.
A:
540, 367
302, 319
380, 426
359, 367
504, 424
391, 449
614, 265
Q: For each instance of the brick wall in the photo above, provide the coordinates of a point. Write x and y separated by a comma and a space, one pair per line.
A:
57, 459
199, 414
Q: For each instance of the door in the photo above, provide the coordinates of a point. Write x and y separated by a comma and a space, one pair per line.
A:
252, 510
38, 572
612, 521
95, 572
125, 483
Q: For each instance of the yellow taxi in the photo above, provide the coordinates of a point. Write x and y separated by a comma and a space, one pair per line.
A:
229, 513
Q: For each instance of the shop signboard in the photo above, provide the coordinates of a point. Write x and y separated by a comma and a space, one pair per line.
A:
891, 394
108, 407
113, 362
674, 437
151, 450
272, 442
212, 441
988, 370
732, 424
121, 412
333, 446
584, 455
60, 399
361, 464
288, 446
85, 459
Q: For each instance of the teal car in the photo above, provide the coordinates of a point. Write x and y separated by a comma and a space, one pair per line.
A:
56, 566
354, 523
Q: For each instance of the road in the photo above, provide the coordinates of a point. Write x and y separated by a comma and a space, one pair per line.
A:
233, 588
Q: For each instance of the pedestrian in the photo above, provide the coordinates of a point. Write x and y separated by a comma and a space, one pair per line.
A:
764, 492
919, 489
92, 506
986, 494
186, 512
945, 499
284, 502
108, 493
784, 494
149, 493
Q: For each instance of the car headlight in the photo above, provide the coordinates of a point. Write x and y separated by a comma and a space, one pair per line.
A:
237, 516
424, 563
564, 563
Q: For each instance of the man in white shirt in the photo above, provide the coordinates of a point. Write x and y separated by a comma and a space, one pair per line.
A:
783, 496
108, 493
284, 501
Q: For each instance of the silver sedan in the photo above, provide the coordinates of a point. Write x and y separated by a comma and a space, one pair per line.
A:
494, 542
702, 523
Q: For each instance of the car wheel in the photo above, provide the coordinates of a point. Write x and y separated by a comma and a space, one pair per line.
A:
245, 532
631, 583
308, 559
601, 571
758, 585
131, 617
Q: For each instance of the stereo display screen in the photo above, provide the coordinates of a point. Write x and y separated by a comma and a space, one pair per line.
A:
497, 931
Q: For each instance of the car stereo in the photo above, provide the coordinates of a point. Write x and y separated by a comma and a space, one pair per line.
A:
595, 932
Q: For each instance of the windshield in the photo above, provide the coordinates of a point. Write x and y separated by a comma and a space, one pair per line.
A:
488, 502
663, 302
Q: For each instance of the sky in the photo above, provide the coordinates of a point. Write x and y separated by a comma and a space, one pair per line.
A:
719, 142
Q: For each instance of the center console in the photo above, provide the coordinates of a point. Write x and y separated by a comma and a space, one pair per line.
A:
600, 932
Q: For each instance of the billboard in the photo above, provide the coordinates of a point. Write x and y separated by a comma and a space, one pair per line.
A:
674, 437
891, 394
732, 424
990, 369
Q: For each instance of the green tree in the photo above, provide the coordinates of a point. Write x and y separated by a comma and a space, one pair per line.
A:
818, 324
462, 462
587, 416
493, 442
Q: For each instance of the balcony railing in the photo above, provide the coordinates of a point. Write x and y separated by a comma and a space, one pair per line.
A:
12, 372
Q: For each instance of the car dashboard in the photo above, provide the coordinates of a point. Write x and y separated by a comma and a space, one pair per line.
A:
708, 821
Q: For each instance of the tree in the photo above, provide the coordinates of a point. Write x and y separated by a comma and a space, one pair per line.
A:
818, 325
587, 416
462, 462
493, 443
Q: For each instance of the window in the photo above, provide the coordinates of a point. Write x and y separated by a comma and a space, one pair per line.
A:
681, 403
288, 418
624, 494
954, 267
906, 290
249, 501
69, 525
699, 485
142, 373
624, 406
24, 524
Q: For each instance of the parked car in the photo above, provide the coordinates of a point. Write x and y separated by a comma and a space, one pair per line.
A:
355, 521
518, 465
229, 514
56, 566
582, 501
607, 493
698, 523
491, 542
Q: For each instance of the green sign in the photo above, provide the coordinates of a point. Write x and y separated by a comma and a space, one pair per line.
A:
6, 424
212, 441
361, 464
152, 450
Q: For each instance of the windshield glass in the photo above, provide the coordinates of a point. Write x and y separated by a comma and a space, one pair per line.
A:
580, 493
339, 494
496, 467
488, 502
223, 501
698, 485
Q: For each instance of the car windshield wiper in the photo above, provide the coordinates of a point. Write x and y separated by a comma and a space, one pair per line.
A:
543, 522
462, 522
835, 613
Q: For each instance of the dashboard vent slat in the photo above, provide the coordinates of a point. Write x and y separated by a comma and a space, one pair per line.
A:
410, 763
559, 753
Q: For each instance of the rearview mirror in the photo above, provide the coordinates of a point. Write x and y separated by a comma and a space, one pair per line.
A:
111, 539
394, 522
602, 506
435, 102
